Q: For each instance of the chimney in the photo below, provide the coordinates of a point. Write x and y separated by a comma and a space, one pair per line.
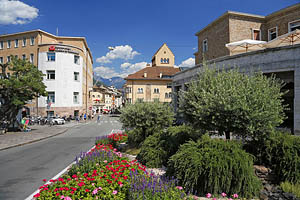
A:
145, 74
148, 65
160, 75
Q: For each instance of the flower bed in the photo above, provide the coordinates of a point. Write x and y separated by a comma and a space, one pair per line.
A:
104, 173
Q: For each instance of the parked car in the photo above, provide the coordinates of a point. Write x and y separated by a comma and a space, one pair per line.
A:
56, 120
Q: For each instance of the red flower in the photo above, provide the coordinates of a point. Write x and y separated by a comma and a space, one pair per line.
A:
87, 190
45, 180
37, 195
57, 194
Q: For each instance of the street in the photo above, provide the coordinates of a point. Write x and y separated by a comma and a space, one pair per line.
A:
23, 168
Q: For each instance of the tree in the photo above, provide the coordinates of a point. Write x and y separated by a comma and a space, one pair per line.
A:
24, 84
233, 102
146, 118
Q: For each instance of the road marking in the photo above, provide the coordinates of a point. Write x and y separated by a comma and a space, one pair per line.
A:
30, 197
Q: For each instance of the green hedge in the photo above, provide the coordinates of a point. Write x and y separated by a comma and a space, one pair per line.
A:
281, 152
158, 148
214, 166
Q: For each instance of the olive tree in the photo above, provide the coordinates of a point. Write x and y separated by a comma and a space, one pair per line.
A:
233, 102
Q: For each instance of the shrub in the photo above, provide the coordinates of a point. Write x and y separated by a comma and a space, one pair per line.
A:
135, 138
214, 166
157, 149
146, 118
281, 152
233, 102
291, 188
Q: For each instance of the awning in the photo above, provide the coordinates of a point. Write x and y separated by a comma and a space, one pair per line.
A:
290, 38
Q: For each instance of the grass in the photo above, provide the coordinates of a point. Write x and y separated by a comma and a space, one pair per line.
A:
132, 151
291, 188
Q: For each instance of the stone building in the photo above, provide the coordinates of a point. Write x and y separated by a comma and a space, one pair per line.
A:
282, 60
66, 63
235, 26
152, 83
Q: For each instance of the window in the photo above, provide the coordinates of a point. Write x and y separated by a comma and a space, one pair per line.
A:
272, 33
128, 89
1, 44
31, 57
76, 59
32, 41
98, 96
204, 45
156, 90
294, 25
75, 97
140, 100
8, 58
24, 42
16, 56
169, 85
16, 43
8, 75
168, 95
76, 76
8, 44
24, 57
168, 60
140, 90
50, 75
51, 56
50, 113
256, 35
1, 60
164, 60
93, 95
51, 97
129, 100
161, 60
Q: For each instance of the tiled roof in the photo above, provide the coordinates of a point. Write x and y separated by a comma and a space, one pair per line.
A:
154, 73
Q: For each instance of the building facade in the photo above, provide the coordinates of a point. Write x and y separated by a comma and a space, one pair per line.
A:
282, 60
66, 63
153, 83
236, 26
106, 99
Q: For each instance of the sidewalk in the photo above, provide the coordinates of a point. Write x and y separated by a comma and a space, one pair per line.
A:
38, 132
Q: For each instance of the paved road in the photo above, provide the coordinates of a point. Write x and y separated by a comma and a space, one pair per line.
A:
23, 168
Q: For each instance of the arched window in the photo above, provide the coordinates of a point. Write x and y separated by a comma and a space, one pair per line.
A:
165, 60
168, 60
162, 60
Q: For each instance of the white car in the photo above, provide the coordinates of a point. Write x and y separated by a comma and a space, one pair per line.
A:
57, 121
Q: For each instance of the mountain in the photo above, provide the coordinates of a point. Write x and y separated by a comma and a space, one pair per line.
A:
118, 82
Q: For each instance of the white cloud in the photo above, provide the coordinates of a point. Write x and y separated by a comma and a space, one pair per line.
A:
119, 52
126, 68
190, 62
16, 12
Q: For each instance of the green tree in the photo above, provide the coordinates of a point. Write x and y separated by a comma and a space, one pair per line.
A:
146, 118
233, 102
24, 84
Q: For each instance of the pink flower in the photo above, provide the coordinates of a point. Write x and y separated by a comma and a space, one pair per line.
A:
105, 161
100, 188
208, 195
179, 187
230, 199
62, 197
214, 198
68, 198
115, 192
224, 194
235, 195
95, 191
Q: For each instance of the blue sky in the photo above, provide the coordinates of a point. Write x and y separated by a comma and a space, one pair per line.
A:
135, 28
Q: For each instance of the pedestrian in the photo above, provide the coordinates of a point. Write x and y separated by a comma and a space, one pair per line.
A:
89, 116
98, 119
81, 116
84, 116
77, 119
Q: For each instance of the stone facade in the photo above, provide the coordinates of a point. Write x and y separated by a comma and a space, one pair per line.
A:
235, 26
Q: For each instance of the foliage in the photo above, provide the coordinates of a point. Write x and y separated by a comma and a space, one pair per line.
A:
215, 166
291, 188
157, 149
24, 84
103, 173
233, 102
146, 119
281, 152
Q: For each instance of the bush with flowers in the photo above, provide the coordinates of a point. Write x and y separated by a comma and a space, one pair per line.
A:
103, 173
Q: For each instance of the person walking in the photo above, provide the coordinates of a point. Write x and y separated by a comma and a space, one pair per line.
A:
98, 118
84, 116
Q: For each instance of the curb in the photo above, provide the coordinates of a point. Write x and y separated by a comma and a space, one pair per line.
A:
32, 141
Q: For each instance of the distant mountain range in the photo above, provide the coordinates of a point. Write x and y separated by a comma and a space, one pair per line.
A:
118, 82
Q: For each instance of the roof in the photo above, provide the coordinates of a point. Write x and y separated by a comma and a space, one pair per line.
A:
153, 73
164, 44
49, 34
